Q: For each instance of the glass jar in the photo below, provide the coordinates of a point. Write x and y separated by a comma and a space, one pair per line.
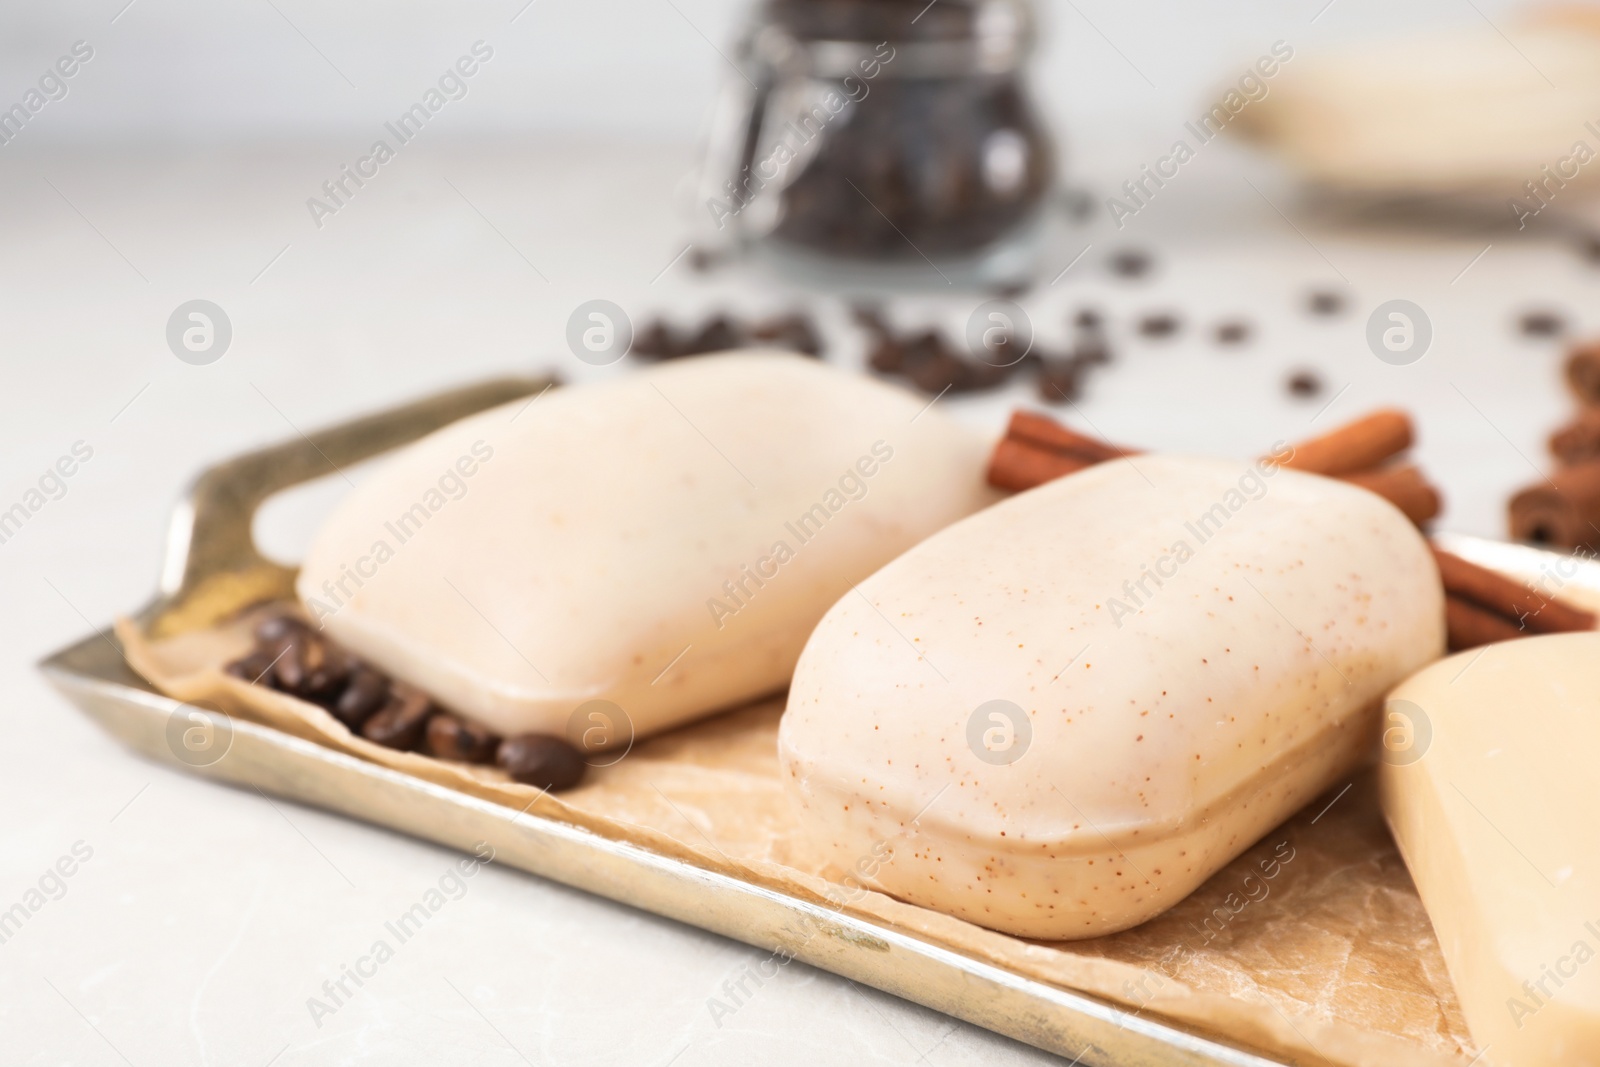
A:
882, 132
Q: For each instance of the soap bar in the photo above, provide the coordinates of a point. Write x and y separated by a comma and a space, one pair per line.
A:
662, 541
1489, 782
1058, 717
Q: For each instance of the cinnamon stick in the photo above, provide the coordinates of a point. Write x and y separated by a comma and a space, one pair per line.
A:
1402, 486
1583, 372
1579, 440
1467, 625
1047, 433
1016, 465
1527, 610
1357, 446
1038, 449
1562, 511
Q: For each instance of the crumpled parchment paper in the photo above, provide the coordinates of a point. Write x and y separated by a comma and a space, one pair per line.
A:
1312, 946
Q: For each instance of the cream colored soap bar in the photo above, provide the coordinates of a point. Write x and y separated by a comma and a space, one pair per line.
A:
664, 541
1058, 717
1490, 785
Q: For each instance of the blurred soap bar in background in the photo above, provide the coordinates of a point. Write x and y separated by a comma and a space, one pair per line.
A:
1469, 110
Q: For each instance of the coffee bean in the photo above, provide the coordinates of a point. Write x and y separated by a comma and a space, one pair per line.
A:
888, 356
254, 667
870, 318
981, 376
1130, 263
703, 260
278, 627
718, 334
309, 667
928, 344
1542, 324
1232, 332
1158, 324
399, 723
542, 760
938, 373
1060, 380
291, 653
1087, 319
795, 332
366, 692
655, 341
1325, 302
329, 671
1305, 383
449, 737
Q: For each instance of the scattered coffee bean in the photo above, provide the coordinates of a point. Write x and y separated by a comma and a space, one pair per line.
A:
1060, 381
1542, 324
399, 723
888, 356
252, 668
1325, 302
1232, 332
291, 668
982, 376
933, 364
303, 662
718, 334
702, 260
327, 671
1130, 263
450, 737
659, 340
275, 628
1305, 383
1158, 324
1579, 440
1589, 248
542, 760
793, 331
937, 373
655, 341
367, 692
1012, 290
870, 318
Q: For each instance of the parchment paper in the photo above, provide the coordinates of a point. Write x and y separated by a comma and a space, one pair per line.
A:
1312, 946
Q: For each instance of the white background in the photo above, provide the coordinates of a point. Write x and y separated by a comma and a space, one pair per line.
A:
179, 166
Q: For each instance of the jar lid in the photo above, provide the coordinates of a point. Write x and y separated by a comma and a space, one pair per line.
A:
829, 38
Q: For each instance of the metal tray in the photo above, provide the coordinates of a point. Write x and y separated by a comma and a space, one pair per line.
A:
212, 569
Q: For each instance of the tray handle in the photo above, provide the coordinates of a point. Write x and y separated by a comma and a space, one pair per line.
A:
212, 567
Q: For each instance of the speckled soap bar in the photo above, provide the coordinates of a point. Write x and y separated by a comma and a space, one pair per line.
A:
1059, 716
661, 541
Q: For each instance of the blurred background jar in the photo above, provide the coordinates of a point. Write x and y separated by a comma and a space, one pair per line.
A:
882, 141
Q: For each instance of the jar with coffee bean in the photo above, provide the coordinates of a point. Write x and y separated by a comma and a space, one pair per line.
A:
891, 134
